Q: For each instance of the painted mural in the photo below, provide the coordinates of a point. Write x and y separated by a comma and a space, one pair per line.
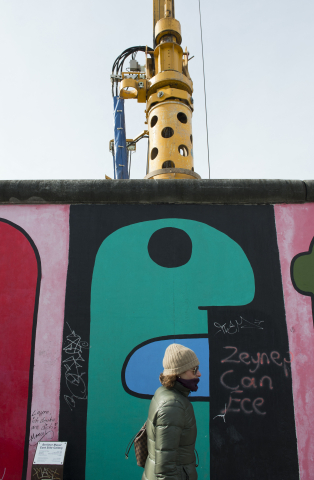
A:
92, 295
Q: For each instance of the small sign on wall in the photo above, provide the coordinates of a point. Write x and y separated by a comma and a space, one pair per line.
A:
48, 461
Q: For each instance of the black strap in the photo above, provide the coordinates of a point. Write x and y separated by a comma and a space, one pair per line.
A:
128, 448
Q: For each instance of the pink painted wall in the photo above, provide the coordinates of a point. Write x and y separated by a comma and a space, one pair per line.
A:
295, 230
48, 226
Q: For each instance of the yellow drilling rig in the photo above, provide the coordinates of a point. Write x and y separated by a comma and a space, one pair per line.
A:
165, 85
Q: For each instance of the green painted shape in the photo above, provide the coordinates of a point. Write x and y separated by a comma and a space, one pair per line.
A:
303, 272
133, 300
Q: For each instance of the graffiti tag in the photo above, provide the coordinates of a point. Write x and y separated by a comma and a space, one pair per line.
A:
73, 368
43, 426
236, 325
42, 473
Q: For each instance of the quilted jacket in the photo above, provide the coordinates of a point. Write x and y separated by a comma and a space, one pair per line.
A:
171, 434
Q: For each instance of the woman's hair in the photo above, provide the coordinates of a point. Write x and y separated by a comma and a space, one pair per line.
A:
167, 381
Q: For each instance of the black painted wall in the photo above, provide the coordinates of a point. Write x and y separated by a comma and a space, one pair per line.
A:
255, 437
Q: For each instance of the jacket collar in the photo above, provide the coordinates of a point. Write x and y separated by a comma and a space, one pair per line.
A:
181, 389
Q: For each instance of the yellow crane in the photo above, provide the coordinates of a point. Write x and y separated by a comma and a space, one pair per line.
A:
166, 87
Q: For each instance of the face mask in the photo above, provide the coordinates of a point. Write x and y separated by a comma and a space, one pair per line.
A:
190, 384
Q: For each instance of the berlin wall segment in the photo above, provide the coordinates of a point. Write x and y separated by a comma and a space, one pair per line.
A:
46, 229
110, 236
122, 282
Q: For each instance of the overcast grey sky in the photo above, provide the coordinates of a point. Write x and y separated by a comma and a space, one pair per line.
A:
55, 94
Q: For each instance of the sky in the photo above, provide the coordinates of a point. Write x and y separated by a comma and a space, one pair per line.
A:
56, 109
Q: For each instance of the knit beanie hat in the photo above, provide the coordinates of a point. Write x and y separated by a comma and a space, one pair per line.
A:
178, 359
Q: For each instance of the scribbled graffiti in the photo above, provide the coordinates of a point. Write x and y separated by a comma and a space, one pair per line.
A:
43, 426
73, 368
45, 473
235, 326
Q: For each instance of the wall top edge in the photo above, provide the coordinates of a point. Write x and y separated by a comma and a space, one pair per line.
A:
156, 191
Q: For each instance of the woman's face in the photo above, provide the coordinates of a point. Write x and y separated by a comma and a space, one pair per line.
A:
189, 374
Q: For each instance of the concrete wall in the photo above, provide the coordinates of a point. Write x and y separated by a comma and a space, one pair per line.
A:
91, 295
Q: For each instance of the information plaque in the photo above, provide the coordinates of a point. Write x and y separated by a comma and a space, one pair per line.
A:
48, 461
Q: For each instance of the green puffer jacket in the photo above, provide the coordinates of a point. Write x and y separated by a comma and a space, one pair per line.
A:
171, 434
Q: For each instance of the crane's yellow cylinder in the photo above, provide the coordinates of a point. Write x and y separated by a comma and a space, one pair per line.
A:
168, 56
170, 140
169, 102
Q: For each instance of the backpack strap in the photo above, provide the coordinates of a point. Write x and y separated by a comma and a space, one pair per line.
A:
128, 448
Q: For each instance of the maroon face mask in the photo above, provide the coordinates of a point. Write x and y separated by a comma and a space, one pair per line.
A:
190, 384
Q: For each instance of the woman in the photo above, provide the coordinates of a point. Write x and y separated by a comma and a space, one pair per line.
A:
171, 425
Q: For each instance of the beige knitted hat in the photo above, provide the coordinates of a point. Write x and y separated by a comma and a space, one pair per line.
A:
178, 359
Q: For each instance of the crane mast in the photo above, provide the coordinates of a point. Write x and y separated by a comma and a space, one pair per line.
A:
166, 87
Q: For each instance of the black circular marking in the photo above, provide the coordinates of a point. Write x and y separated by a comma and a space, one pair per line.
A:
153, 121
168, 164
167, 132
170, 247
154, 153
182, 117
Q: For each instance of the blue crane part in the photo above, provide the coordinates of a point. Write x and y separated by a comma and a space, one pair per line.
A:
120, 157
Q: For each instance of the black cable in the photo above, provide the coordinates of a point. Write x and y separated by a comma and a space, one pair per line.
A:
129, 51
130, 153
199, 4
124, 57
117, 66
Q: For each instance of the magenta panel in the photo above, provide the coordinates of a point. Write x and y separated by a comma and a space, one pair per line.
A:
19, 269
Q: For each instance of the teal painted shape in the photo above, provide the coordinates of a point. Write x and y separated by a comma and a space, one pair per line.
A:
132, 300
